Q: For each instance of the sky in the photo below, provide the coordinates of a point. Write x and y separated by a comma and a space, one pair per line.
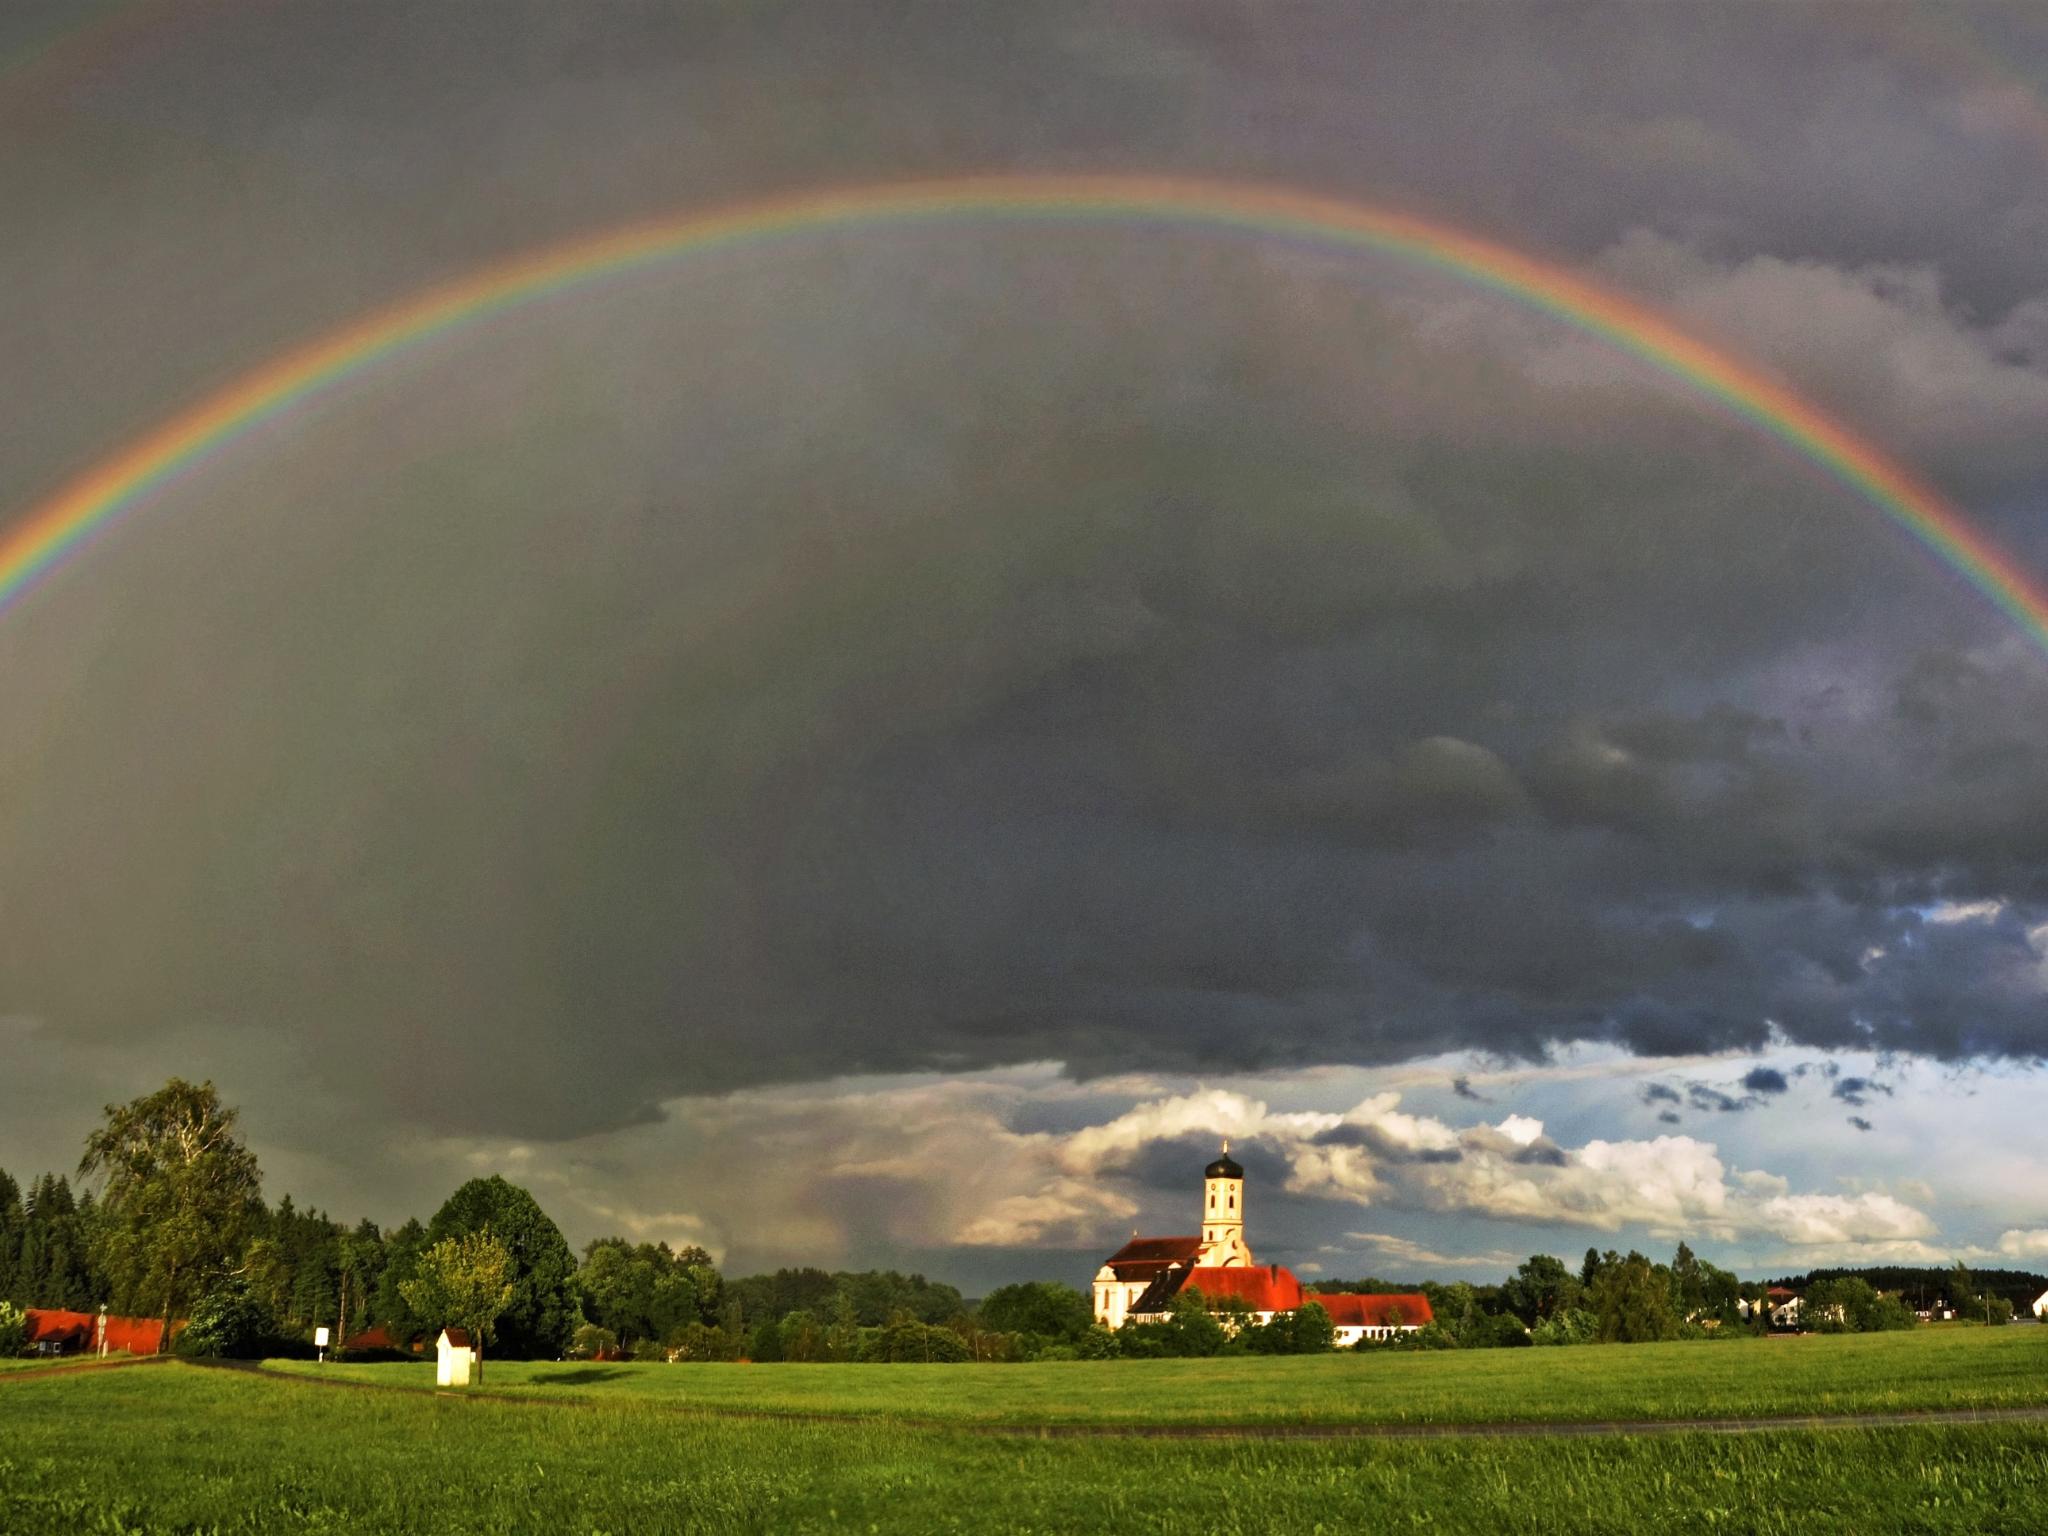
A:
881, 747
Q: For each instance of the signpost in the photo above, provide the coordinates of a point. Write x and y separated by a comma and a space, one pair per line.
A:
320, 1342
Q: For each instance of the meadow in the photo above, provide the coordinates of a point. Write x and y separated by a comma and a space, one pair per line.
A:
179, 1447
1933, 1368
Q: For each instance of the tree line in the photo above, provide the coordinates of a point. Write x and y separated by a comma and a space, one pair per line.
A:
168, 1221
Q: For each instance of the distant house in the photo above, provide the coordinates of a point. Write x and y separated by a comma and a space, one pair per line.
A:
454, 1355
55, 1332
380, 1338
1785, 1306
2040, 1307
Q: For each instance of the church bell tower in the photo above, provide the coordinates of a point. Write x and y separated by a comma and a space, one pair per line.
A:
1223, 1241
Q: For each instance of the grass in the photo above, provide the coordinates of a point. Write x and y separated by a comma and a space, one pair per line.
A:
1930, 1368
185, 1449
51, 1362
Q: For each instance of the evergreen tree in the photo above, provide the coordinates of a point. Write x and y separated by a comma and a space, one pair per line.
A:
12, 1220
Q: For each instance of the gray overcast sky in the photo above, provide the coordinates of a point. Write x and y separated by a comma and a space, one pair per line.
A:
878, 748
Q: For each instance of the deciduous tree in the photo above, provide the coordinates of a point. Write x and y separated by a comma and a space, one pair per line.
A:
180, 1189
465, 1282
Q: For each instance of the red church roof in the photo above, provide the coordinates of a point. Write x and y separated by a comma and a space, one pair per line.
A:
1266, 1288
1347, 1311
1146, 1258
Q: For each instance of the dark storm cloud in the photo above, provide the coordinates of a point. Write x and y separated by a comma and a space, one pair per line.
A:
1857, 1090
917, 651
1670, 1116
1462, 1087
1765, 1080
1859, 1122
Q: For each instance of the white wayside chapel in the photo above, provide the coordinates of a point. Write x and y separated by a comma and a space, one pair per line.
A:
453, 1357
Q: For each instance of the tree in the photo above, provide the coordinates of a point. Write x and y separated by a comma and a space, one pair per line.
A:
543, 1312
465, 1281
1540, 1289
229, 1322
13, 1219
1632, 1299
1044, 1308
13, 1329
644, 1292
180, 1186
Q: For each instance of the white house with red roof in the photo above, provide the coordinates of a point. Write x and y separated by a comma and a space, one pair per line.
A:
1138, 1282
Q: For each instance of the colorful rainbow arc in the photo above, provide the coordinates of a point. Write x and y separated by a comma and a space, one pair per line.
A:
39, 541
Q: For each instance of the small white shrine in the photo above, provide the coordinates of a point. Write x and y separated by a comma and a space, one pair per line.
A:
453, 1357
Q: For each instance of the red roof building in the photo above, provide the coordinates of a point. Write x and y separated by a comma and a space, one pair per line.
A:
1147, 1258
1139, 1281
1266, 1288
1373, 1317
77, 1333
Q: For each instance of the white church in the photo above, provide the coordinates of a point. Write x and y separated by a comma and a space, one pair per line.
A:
1138, 1282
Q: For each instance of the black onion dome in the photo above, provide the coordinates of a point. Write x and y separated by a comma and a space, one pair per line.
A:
1223, 1168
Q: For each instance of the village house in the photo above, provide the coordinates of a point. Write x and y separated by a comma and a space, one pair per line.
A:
2040, 1307
1139, 1281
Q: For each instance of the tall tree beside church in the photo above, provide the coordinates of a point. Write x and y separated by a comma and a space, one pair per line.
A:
180, 1190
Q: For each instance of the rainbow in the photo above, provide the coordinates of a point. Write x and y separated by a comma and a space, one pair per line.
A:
39, 540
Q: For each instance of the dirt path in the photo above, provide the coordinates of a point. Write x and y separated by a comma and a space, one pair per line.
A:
30, 1373
1517, 1430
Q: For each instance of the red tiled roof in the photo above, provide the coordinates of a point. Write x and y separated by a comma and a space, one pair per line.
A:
458, 1338
1146, 1258
372, 1338
1268, 1288
1347, 1311
80, 1330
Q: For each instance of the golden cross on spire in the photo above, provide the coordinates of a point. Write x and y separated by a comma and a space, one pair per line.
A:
1226, 1146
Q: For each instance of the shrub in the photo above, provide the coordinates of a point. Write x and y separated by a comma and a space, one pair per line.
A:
904, 1340
650, 1349
228, 1323
592, 1342
1098, 1343
13, 1329
1570, 1325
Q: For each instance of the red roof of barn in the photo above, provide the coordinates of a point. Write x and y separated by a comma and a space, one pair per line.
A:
372, 1338
1347, 1311
1146, 1258
80, 1330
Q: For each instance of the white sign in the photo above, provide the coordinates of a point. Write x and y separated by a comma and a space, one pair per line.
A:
319, 1338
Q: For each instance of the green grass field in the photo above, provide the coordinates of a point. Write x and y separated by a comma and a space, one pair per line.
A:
178, 1447
1856, 1373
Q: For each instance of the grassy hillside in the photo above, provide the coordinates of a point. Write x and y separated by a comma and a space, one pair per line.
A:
180, 1448
1928, 1368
